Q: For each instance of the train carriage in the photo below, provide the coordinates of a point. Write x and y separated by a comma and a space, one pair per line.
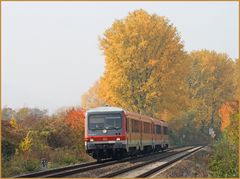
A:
114, 132
133, 132
147, 133
160, 138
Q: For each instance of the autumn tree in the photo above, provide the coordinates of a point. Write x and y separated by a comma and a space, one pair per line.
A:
28, 117
11, 138
184, 130
227, 110
13, 122
237, 80
91, 98
60, 134
210, 85
75, 118
23, 113
145, 65
25, 145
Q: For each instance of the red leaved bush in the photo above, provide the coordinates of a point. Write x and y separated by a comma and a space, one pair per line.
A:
75, 118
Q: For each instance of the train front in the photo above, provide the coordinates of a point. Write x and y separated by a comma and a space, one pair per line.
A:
105, 132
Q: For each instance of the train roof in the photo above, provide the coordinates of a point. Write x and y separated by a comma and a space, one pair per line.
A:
105, 109
117, 109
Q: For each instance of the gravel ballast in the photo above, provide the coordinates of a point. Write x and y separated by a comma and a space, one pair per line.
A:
194, 166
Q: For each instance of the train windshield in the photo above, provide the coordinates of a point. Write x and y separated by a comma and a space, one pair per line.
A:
104, 121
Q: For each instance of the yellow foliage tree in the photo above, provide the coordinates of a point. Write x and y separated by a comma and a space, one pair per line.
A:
146, 65
237, 81
91, 98
13, 123
211, 84
23, 113
26, 144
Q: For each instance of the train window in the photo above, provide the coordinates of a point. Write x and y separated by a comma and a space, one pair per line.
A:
158, 129
165, 130
132, 124
146, 127
135, 126
104, 121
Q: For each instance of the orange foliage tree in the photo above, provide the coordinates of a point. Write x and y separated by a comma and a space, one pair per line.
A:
75, 118
226, 111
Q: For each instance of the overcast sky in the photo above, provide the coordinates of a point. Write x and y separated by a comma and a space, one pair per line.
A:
50, 52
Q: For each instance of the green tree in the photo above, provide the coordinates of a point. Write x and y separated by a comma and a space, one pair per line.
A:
8, 113
146, 65
11, 139
225, 156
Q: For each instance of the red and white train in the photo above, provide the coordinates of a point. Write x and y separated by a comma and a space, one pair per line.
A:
114, 132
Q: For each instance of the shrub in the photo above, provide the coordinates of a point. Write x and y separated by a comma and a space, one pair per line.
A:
8, 149
63, 156
31, 165
224, 161
17, 165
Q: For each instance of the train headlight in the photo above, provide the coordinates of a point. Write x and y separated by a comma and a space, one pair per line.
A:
118, 139
91, 140
104, 131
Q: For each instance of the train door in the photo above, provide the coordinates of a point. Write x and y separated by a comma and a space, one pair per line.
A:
162, 136
127, 131
130, 131
152, 132
141, 135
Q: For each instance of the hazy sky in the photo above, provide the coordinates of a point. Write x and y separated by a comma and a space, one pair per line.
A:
50, 52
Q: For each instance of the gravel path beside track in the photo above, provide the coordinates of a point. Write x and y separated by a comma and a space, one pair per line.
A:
194, 166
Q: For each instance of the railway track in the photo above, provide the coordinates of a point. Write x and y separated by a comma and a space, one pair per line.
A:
70, 170
150, 167
161, 166
52, 172
91, 166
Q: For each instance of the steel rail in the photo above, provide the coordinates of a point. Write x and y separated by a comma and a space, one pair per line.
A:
69, 170
166, 155
42, 173
154, 170
92, 167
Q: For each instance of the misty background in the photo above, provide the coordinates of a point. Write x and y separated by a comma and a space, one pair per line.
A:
50, 51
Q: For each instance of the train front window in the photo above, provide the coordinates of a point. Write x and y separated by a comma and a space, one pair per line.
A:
104, 121
96, 122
